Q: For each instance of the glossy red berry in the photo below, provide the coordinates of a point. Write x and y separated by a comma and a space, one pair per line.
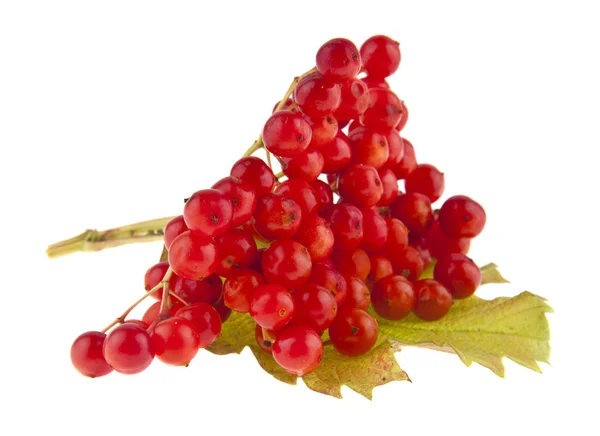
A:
298, 349
432, 300
174, 228
393, 297
154, 276
208, 213
440, 245
380, 267
329, 278
314, 306
338, 59
396, 147
265, 343
459, 274
324, 130
375, 231
407, 263
176, 341
380, 56
242, 196
385, 109
317, 96
128, 349
237, 249
239, 287
358, 294
361, 185
369, 147
271, 306
353, 332
336, 154
462, 217
353, 262
427, 180
301, 192
306, 166
354, 100
206, 321
87, 357
277, 217
256, 173
414, 210
193, 257
154, 310
286, 263
346, 222
408, 163
286, 134
316, 235
389, 183
397, 237
207, 290
323, 194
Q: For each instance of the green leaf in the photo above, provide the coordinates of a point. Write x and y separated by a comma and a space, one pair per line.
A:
490, 274
237, 332
483, 331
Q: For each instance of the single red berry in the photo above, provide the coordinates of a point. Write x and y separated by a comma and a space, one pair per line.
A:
358, 294
329, 278
207, 290
301, 192
239, 287
361, 185
354, 100
441, 245
408, 163
208, 213
397, 237
459, 274
237, 249
353, 262
396, 147
176, 341
407, 263
369, 147
427, 180
414, 210
286, 134
389, 182
432, 300
298, 349
174, 228
324, 130
314, 306
375, 231
277, 217
271, 306
380, 56
317, 96
153, 311
346, 222
393, 297
242, 196
385, 109
336, 154
205, 319
87, 357
286, 263
193, 257
256, 173
316, 235
323, 194
306, 166
128, 349
353, 332
462, 217
154, 276
338, 59
380, 267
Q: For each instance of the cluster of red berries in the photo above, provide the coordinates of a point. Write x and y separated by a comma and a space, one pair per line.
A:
323, 262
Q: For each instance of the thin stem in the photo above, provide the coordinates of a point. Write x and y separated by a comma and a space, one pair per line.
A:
279, 175
178, 298
94, 240
121, 319
165, 300
268, 158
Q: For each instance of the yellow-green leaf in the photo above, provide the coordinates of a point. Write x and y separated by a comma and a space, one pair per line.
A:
490, 274
484, 331
237, 332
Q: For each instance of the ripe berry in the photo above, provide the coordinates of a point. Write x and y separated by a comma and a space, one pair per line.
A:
408, 163
338, 59
286, 134
393, 297
427, 180
152, 312
242, 196
389, 183
352, 263
458, 274
432, 300
317, 96
397, 237
346, 222
306, 166
128, 349
329, 278
207, 290
301, 192
441, 245
87, 357
208, 213
375, 231
154, 276
358, 294
277, 217
380, 267
193, 257
286, 263
314, 306
407, 263
361, 185
374, 82
206, 321
414, 210
239, 287
174, 228
324, 129
317, 237
176, 341
256, 173
323, 194
237, 249
380, 56
369, 147
385, 109
461, 217
396, 147
353, 332
336, 154
354, 100
298, 349
271, 306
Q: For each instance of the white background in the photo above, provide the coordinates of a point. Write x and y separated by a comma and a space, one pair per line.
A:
112, 112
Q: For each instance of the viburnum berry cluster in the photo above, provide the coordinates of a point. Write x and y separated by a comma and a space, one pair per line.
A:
351, 228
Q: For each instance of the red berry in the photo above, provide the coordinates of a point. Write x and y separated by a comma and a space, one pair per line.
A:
407, 263
128, 349
223, 311
369, 147
330, 279
277, 217
87, 357
323, 194
271, 306
324, 130
393, 297
354, 263
408, 163
206, 321
380, 56
286, 263
306, 166
353, 332
389, 182
242, 196
286, 134
441, 245
414, 210
427, 180
301, 192
256, 173
336, 154
433, 300
358, 294
404, 118
375, 231
354, 100
461, 217
176, 341
385, 109
397, 237
154, 276
193, 257
298, 349
237, 249
317, 96
396, 147
265, 344
374, 82
361, 185
380, 267
152, 312
174, 228
239, 287
338, 59
207, 290
208, 213
317, 237
314, 306
346, 222
459, 274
